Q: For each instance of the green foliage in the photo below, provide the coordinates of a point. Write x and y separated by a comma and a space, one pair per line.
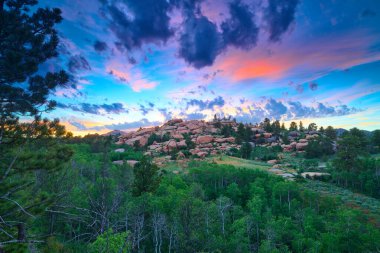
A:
128, 154
189, 143
227, 131
28, 39
267, 125
376, 139
318, 148
293, 126
146, 177
264, 153
245, 150
330, 132
111, 243
352, 168
312, 127
276, 127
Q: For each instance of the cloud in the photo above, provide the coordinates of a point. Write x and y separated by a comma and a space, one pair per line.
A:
145, 110
368, 13
167, 114
291, 110
136, 81
206, 104
313, 86
240, 30
78, 63
279, 15
132, 125
200, 43
100, 46
139, 22
195, 116
114, 108
200, 39
299, 88
78, 125
274, 107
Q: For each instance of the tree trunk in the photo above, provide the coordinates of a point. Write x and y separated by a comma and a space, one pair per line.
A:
21, 235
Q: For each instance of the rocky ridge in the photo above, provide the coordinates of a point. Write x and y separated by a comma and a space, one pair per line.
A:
201, 139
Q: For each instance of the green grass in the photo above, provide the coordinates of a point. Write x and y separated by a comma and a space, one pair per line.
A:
239, 162
358, 201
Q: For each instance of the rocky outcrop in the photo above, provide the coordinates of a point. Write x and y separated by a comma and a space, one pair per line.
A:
301, 146
204, 139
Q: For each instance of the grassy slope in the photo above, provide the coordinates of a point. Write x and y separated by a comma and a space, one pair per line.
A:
368, 205
242, 163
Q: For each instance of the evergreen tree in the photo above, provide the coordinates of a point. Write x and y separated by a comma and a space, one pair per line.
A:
28, 39
267, 125
330, 132
293, 126
245, 150
312, 127
376, 138
28, 151
276, 127
146, 177
240, 134
301, 127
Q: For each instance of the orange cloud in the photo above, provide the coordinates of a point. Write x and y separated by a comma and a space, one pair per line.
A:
298, 61
240, 65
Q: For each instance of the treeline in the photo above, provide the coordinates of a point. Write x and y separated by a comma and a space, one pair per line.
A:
213, 208
353, 166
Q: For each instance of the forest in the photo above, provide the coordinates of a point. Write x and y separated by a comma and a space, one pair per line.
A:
64, 193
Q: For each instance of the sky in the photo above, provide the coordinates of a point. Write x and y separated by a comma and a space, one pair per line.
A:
140, 63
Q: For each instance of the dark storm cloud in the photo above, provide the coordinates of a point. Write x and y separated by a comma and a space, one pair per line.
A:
100, 46
279, 15
367, 13
200, 42
148, 22
208, 104
313, 86
78, 63
240, 30
114, 108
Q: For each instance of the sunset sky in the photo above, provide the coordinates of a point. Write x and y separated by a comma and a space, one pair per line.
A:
139, 63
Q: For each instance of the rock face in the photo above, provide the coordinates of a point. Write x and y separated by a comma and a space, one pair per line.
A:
301, 146
204, 139
200, 138
171, 145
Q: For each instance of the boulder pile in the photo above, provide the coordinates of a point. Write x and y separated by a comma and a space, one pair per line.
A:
176, 138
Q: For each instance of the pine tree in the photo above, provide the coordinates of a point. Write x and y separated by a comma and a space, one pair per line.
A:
29, 152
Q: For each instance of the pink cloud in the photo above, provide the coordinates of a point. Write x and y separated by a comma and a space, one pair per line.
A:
136, 80
292, 59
